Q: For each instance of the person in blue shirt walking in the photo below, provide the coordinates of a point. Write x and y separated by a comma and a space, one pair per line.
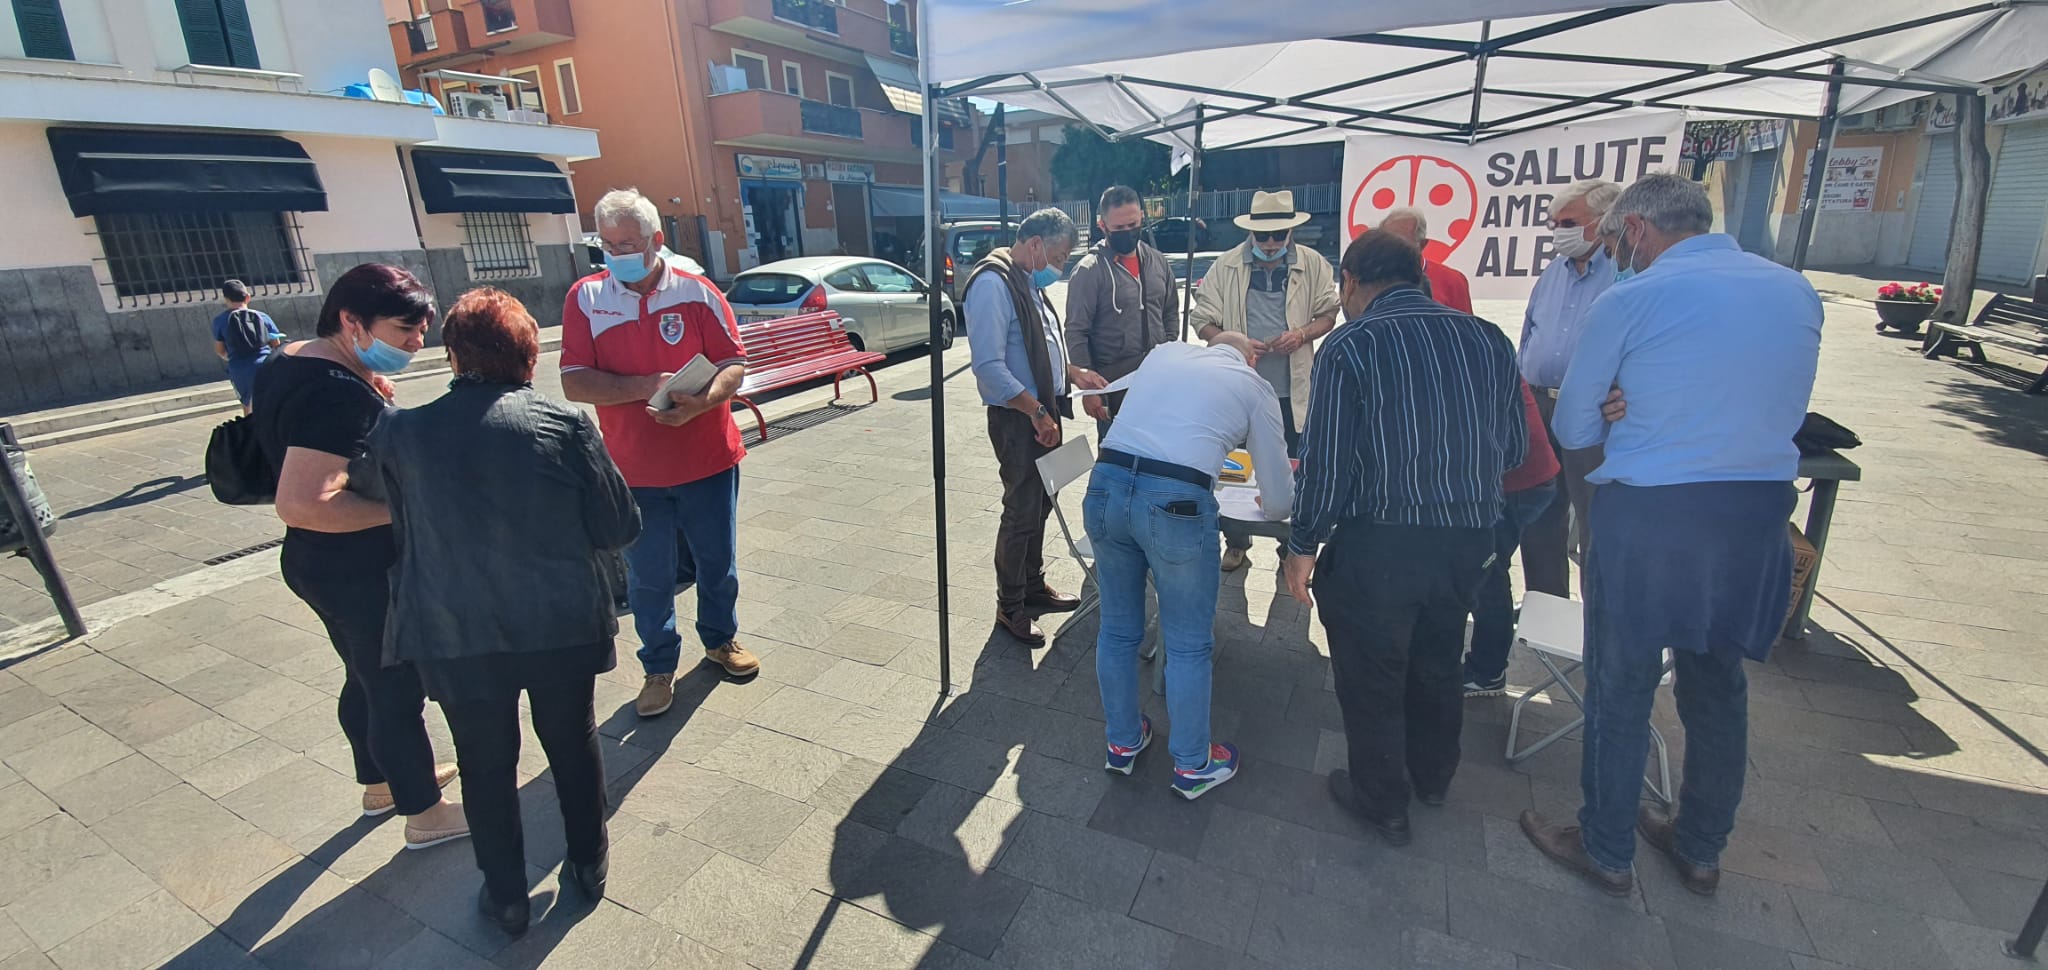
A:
243, 337
1715, 352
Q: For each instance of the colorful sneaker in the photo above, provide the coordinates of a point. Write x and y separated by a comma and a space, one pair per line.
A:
1192, 784
1121, 758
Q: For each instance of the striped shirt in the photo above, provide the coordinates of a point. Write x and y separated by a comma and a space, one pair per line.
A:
1415, 413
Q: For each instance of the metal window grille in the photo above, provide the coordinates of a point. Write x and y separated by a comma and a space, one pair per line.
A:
169, 258
498, 246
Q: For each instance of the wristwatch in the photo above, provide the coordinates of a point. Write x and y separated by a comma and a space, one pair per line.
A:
1040, 413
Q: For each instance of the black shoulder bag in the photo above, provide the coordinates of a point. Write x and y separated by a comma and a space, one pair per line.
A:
236, 468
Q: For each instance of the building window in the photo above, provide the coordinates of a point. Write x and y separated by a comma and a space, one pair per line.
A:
43, 34
498, 16
217, 32
419, 35
162, 258
755, 66
529, 95
498, 246
565, 87
793, 78
839, 89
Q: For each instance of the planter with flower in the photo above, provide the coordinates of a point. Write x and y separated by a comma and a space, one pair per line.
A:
1904, 306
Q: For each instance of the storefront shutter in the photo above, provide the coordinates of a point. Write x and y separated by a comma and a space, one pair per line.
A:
2015, 211
1935, 211
43, 33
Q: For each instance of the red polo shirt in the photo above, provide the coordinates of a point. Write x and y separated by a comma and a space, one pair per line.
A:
607, 327
1448, 286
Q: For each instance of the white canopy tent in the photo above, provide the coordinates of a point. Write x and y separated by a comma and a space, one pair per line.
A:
1218, 74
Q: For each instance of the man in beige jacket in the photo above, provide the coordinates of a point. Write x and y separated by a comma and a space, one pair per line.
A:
1282, 296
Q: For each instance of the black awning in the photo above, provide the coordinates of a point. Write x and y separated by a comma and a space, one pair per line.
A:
482, 182
106, 171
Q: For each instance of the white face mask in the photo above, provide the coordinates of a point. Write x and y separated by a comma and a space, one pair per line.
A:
1571, 242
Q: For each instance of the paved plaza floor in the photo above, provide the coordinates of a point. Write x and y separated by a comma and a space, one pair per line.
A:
174, 788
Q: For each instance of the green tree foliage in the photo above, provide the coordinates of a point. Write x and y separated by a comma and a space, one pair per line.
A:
1085, 164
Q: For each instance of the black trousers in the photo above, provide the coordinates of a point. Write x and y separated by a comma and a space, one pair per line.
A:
486, 731
380, 706
1549, 541
1394, 600
1020, 536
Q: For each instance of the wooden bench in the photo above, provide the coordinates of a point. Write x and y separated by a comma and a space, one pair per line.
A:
2010, 322
786, 351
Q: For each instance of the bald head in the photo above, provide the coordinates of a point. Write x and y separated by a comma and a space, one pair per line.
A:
1409, 224
1238, 342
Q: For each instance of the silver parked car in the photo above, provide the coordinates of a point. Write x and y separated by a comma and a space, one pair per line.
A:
884, 306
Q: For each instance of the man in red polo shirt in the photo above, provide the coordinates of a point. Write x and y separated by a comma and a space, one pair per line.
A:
1446, 285
625, 330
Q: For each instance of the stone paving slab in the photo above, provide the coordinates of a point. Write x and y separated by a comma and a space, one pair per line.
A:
174, 791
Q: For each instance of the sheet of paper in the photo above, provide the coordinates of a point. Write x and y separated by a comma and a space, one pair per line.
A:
1239, 502
694, 379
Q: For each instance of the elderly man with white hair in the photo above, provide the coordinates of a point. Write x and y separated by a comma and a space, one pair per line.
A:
626, 330
1446, 285
1150, 509
1556, 318
1715, 352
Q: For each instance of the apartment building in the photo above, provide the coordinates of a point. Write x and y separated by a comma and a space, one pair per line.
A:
153, 148
762, 129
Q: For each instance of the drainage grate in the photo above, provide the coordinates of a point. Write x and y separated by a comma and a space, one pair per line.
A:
239, 553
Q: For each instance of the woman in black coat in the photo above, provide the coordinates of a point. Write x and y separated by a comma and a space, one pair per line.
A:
507, 511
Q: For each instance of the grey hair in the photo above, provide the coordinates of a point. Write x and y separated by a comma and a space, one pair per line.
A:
619, 205
1670, 202
1598, 193
1050, 224
1409, 212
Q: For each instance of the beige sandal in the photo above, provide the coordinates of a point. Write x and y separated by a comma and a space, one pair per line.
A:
377, 799
420, 838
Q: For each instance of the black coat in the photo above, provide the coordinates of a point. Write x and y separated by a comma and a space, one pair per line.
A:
507, 512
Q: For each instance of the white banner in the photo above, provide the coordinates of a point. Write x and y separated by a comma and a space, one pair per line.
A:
1488, 205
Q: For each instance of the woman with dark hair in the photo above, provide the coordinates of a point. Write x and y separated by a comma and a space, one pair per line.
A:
508, 511
315, 403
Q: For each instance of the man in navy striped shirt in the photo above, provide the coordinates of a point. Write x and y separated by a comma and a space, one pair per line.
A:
1415, 413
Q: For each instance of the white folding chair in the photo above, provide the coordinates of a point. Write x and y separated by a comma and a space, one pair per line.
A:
1554, 630
1057, 469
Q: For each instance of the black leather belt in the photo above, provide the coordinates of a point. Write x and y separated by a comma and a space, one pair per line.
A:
1148, 466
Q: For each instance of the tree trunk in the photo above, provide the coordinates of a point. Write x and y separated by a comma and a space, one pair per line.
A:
1973, 169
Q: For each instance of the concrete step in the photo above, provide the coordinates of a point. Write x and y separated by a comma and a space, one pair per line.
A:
95, 419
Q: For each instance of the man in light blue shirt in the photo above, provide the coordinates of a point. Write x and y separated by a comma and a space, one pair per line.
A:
1715, 352
1551, 329
1021, 369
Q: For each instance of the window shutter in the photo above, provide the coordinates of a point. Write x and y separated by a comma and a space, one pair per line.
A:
205, 41
241, 37
42, 29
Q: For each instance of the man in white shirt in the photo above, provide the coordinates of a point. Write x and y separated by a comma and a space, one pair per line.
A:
1151, 508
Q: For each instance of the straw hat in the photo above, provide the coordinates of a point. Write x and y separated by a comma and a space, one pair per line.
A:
1271, 212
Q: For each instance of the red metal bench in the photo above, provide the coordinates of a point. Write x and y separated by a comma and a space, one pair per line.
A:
785, 351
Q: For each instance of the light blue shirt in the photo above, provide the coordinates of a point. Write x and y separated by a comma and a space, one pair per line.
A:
1002, 367
1557, 316
1714, 350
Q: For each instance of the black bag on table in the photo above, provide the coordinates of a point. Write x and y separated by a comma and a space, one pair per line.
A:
1819, 434
236, 468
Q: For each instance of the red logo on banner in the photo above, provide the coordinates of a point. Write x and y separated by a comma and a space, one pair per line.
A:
1444, 193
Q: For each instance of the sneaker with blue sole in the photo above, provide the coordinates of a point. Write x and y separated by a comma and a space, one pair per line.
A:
1193, 783
1121, 758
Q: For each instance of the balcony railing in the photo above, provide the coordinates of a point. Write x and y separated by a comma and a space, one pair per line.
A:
419, 35
819, 15
498, 16
902, 41
822, 118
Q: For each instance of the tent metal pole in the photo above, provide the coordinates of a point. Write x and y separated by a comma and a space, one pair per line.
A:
1817, 167
1478, 82
1003, 168
1187, 287
1621, 93
971, 87
1695, 69
935, 322
1265, 103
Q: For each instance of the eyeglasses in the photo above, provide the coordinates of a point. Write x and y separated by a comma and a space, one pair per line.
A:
617, 249
1275, 236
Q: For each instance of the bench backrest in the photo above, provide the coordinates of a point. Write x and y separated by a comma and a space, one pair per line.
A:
783, 341
2013, 311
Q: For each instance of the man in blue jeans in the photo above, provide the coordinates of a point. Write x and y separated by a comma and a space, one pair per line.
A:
626, 330
1715, 352
1150, 509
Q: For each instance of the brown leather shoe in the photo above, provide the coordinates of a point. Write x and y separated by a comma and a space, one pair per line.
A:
657, 693
1564, 845
738, 661
1051, 600
1394, 828
1661, 831
1020, 626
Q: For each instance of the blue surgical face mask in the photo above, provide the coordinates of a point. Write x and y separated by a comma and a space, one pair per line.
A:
1266, 257
1623, 273
629, 269
383, 358
1045, 277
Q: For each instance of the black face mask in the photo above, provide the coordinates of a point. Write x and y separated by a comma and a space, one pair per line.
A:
1123, 241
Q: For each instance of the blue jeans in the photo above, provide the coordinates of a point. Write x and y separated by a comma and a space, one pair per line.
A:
1493, 614
1622, 670
1126, 516
703, 514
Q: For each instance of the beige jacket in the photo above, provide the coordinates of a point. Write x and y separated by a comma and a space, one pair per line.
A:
1311, 293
